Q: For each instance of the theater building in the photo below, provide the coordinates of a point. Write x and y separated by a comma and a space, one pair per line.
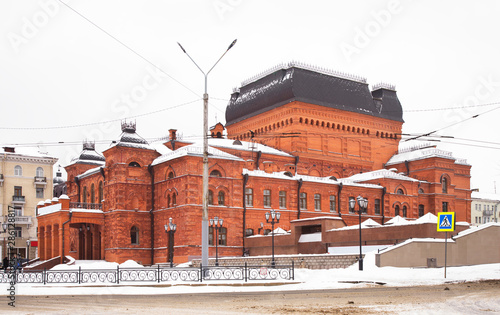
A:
299, 140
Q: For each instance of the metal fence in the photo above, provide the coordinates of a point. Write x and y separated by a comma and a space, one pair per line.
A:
151, 274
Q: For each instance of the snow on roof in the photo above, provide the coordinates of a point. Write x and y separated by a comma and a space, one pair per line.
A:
382, 173
245, 146
420, 153
427, 218
195, 150
279, 230
397, 220
27, 151
369, 223
484, 196
317, 218
160, 147
312, 237
89, 172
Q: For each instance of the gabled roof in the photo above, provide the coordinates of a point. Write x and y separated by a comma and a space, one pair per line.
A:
382, 173
299, 82
425, 151
195, 150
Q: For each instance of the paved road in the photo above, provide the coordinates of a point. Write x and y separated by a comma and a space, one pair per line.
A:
464, 298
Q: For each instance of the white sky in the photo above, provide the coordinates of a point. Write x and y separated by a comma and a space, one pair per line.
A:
58, 69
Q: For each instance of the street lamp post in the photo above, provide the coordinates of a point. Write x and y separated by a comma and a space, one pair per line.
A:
204, 218
216, 223
4, 227
28, 243
363, 204
275, 218
170, 228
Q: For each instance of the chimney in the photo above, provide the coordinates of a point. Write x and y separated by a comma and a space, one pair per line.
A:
172, 134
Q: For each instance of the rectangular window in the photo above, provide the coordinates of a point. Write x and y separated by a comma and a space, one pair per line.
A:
267, 198
18, 232
39, 192
303, 201
377, 206
333, 204
445, 206
351, 209
18, 211
211, 235
283, 199
317, 202
249, 197
223, 236
18, 191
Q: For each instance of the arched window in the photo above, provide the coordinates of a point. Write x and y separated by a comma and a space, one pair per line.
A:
101, 192
92, 193
39, 172
221, 198
168, 201
400, 192
134, 235
215, 173
444, 185
420, 191
134, 164
170, 175
210, 197
396, 210
18, 170
420, 210
404, 211
174, 199
84, 194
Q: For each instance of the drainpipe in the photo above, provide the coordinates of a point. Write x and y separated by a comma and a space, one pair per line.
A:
296, 162
77, 182
259, 154
338, 199
298, 198
62, 254
407, 164
151, 213
383, 205
245, 181
102, 173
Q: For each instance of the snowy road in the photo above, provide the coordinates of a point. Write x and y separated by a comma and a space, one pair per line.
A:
452, 298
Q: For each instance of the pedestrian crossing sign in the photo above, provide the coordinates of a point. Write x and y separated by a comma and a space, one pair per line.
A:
446, 222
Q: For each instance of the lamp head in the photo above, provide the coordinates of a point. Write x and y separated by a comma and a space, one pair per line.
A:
267, 216
230, 46
181, 47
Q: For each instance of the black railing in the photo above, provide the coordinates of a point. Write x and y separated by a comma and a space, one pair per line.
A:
151, 274
18, 198
40, 179
85, 205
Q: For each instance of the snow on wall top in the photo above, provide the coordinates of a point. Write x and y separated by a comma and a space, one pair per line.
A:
383, 173
422, 152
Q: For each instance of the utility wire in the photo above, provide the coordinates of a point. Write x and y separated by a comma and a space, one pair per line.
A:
98, 123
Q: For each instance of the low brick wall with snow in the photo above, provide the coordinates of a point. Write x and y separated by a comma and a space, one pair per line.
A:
321, 261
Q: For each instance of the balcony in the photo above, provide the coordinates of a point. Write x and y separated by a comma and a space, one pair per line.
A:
40, 180
20, 219
85, 205
487, 213
18, 199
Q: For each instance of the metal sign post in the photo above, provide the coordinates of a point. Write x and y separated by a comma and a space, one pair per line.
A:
445, 223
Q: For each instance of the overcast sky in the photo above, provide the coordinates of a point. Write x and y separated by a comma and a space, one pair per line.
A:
86, 63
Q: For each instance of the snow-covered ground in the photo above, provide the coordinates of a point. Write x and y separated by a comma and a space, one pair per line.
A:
305, 279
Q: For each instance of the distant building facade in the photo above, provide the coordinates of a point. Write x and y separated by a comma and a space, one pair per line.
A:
25, 180
301, 141
484, 208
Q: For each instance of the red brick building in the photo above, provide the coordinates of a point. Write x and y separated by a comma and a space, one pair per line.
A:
301, 141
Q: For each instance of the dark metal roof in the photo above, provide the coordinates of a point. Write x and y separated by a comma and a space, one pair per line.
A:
297, 84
